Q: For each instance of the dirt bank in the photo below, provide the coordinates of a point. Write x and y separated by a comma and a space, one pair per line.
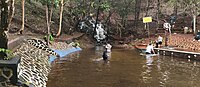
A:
179, 41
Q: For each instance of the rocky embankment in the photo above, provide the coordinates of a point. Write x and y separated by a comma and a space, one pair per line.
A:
34, 66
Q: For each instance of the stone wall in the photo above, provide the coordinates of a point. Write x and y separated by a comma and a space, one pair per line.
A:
34, 66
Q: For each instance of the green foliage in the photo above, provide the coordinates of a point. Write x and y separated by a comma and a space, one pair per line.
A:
50, 37
187, 6
49, 2
8, 52
83, 7
44, 2
4, 50
80, 7
105, 6
92, 4
9, 56
124, 7
56, 3
172, 2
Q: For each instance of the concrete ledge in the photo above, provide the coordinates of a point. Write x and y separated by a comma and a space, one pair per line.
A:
178, 53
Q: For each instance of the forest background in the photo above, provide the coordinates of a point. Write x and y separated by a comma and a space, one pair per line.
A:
121, 18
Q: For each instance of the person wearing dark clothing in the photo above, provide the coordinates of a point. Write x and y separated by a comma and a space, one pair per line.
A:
105, 55
159, 41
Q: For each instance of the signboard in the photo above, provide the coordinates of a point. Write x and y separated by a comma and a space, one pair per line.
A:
147, 19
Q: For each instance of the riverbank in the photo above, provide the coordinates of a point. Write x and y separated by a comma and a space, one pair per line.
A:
35, 63
178, 41
184, 42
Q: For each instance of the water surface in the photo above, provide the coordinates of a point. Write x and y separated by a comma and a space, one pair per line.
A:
126, 68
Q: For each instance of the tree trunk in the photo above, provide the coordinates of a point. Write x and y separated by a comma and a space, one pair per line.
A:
120, 29
125, 16
158, 14
51, 12
108, 18
3, 28
47, 20
50, 16
108, 22
60, 24
97, 17
11, 12
137, 12
147, 8
23, 16
175, 8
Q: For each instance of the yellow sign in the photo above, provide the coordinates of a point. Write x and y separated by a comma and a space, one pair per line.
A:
147, 19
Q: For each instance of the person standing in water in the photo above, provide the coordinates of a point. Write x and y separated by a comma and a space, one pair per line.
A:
107, 51
105, 55
108, 47
149, 49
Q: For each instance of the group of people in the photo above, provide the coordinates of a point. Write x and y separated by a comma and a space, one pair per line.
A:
150, 47
167, 27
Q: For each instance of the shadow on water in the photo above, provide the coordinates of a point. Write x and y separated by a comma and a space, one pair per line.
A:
126, 68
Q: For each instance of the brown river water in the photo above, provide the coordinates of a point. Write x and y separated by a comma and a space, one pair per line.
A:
126, 68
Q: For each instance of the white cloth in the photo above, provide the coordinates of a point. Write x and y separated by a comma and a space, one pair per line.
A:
160, 39
108, 47
149, 48
167, 26
186, 29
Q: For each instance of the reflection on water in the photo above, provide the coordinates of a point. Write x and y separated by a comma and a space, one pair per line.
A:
99, 50
126, 68
149, 60
146, 75
170, 72
153, 63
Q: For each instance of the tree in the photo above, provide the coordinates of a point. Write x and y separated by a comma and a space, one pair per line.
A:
47, 20
61, 13
175, 7
174, 4
123, 12
3, 28
137, 11
97, 17
147, 7
194, 11
51, 12
11, 12
47, 4
190, 7
158, 13
53, 4
23, 16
